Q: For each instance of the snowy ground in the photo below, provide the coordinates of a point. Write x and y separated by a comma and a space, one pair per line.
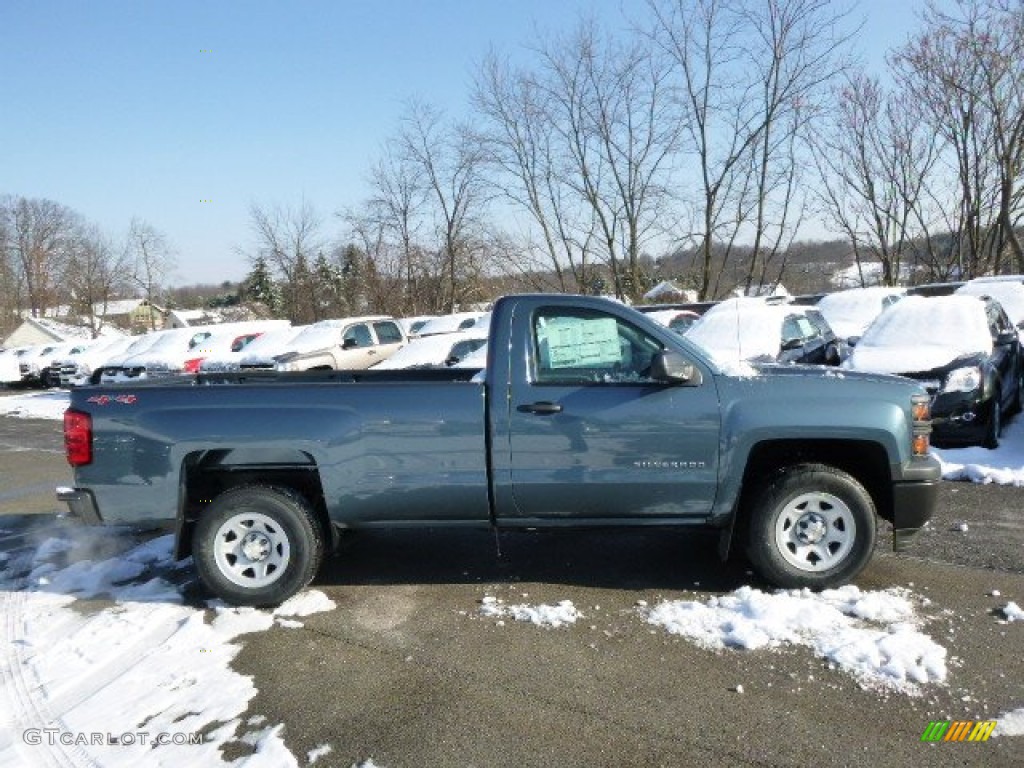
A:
105, 650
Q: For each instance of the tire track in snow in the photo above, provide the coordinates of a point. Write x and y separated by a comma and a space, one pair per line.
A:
27, 709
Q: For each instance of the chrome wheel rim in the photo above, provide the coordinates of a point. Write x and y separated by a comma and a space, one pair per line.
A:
251, 550
815, 532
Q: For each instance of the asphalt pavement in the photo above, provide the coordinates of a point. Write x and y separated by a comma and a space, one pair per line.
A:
406, 672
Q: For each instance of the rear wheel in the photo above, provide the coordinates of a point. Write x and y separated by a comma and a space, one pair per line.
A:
811, 526
257, 545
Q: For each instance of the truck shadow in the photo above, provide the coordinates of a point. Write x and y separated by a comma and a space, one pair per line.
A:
614, 558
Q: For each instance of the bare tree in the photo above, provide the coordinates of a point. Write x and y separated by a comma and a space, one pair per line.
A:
96, 273
450, 161
152, 261
388, 230
289, 240
875, 161
523, 145
967, 69
617, 129
749, 77
37, 239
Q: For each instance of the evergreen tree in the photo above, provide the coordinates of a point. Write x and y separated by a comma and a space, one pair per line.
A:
260, 286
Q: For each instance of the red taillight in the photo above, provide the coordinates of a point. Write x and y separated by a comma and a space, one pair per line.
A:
78, 437
192, 366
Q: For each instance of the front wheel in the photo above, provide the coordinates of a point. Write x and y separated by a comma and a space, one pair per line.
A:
811, 526
257, 545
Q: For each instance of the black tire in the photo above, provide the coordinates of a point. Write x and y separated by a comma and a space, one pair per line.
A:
995, 422
284, 540
812, 526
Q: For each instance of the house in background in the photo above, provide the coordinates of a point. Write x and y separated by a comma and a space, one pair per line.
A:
666, 291
44, 330
132, 315
184, 318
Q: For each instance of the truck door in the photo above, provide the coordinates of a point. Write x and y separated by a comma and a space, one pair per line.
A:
591, 436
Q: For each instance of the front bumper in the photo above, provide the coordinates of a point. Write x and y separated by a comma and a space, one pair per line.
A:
81, 505
914, 500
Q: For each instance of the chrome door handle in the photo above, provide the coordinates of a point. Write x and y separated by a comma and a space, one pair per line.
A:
542, 408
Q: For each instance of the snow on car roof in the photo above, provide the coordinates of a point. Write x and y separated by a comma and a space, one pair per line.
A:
921, 333
427, 350
850, 312
327, 333
448, 323
740, 329
1009, 293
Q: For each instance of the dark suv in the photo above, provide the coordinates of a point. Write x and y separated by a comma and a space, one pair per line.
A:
963, 349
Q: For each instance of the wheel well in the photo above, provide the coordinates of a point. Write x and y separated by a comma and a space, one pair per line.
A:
205, 475
865, 461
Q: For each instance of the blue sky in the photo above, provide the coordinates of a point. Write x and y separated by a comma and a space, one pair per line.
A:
184, 113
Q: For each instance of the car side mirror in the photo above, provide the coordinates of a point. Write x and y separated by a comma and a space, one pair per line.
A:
672, 368
853, 341
790, 344
349, 344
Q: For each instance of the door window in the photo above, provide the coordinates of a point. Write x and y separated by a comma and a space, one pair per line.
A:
580, 346
357, 336
388, 333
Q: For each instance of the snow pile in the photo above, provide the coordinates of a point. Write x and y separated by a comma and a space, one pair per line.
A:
1011, 724
50, 404
1013, 612
560, 615
850, 312
147, 664
1002, 466
870, 635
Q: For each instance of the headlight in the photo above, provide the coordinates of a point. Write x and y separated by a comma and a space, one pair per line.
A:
963, 380
287, 367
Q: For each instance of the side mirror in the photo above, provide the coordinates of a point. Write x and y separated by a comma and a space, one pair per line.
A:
349, 344
672, 368
789, 345
853, 341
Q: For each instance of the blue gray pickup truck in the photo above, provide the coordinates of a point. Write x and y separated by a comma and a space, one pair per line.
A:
587, 414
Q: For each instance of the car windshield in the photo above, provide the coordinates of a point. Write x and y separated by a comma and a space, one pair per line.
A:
909, 336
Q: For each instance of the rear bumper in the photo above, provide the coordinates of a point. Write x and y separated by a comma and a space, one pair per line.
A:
81, 505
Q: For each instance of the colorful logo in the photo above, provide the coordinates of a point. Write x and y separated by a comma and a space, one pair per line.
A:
958, 730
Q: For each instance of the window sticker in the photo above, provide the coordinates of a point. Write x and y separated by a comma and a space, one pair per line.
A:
574, 342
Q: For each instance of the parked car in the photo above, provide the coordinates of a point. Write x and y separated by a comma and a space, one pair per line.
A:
756, 330
412, 325
178, 351
679, 320
351, 344
438, 351
850, 312
263, 348
50, 365
935, 289
10, 372
963, 349
36, 363
1008, 290
223, 339
76, 368
458, 321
